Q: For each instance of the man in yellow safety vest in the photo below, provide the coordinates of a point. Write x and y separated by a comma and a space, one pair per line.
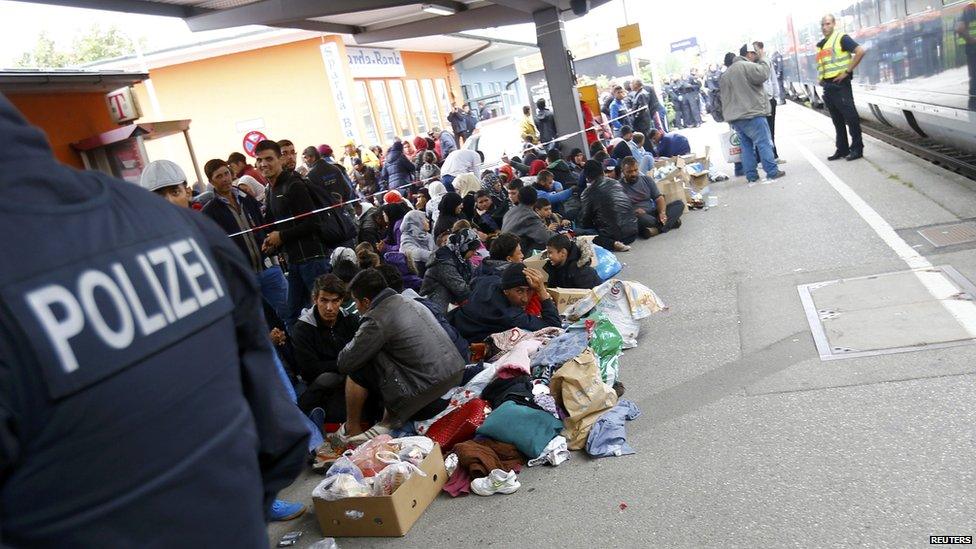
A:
837, 56
966, 39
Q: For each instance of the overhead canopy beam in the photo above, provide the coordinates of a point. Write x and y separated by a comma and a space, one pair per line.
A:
319, 26
128, 6
489, 16
526, 6
275, 12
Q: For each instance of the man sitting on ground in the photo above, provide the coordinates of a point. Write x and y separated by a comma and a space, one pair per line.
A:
400, 353
550, 218
606, 208
505, 248
671, 144
497, 304
318, 336
654, 215
567, 267
523, 222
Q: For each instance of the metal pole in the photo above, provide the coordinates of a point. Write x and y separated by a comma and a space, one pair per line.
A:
193, 155
551, 36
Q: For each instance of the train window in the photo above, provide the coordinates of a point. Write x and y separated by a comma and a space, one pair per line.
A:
849, 21
918, 6
888, 11
869, 13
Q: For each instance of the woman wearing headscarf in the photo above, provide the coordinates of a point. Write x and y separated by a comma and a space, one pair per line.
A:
466, 183
448, 275
394, 213
416, 242
437, 192
450, 213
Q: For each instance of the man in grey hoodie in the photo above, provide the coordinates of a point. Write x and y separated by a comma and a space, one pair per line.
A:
745, 106
523, 222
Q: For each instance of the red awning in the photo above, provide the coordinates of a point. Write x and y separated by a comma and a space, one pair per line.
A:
148, 130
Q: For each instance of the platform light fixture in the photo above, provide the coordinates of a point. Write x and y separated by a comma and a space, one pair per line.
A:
438, 9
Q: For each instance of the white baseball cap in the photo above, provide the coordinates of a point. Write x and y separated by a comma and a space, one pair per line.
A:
161, 173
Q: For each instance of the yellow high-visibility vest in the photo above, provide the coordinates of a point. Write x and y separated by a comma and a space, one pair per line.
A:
960, 40
831, 59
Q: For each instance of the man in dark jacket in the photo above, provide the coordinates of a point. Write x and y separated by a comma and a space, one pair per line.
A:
397, 170
235, 211
330, 176
308, 257
319, 335
545, 122
566, 266
654, 214
607, 208
498, 304
561, 170
399, 353
136, 367
522, 221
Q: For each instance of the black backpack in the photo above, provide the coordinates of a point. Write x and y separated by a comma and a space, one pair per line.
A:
717, 107
336, 225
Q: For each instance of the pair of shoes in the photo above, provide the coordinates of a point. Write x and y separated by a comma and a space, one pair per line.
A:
282, 510
677, 225
855, 156
650, 232
838, 155
620, 247
368, 434
497, 482
776, 175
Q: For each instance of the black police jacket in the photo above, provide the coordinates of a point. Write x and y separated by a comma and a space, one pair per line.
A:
139, 404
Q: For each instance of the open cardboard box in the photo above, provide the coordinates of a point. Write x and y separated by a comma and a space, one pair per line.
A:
384, 516
564, 297
538, 261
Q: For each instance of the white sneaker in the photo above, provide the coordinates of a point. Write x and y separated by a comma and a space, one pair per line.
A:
497, 482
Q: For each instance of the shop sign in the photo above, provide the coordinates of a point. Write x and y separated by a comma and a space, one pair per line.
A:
122, 105
374, 63
341, 96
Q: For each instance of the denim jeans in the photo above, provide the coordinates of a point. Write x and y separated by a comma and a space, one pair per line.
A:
274, 290
754, 134
301, 277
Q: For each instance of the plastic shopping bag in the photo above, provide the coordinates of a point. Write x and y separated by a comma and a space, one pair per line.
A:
624, 303
607, 345
607, 265
731, 147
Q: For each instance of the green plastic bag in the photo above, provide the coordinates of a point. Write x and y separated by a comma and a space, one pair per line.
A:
607, 345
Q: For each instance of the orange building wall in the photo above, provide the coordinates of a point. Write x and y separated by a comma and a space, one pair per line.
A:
66, 118
285, 85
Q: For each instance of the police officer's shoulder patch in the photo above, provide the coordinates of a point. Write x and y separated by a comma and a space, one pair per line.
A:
95, 317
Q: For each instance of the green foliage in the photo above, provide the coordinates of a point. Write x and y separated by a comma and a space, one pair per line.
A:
94, 44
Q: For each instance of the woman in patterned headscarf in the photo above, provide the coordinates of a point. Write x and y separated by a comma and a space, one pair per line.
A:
448, 275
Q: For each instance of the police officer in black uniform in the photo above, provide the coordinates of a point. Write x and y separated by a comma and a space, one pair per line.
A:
139, 404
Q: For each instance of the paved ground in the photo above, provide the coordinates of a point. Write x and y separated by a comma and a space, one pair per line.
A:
747, 438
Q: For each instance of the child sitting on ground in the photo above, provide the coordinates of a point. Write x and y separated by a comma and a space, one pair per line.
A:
543, 208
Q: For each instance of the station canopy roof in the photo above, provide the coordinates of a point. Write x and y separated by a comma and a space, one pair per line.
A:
367, 21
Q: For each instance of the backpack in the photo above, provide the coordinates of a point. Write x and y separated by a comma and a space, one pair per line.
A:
717, 107
336, 226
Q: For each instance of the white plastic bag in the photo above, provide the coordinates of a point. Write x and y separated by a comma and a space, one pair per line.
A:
389, 479
625, 304
731, 147
340, 486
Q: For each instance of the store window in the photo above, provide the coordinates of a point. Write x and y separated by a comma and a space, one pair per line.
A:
400, 112
888, 11
442, 96
430, 99
382, 106
478, 90
417, 106
365, 113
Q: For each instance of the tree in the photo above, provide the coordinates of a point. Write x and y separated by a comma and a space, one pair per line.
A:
94, 44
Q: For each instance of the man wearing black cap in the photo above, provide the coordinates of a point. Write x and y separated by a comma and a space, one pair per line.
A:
608, 209
497, 304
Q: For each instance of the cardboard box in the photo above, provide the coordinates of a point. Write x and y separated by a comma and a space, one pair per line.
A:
384, 516
537, 262
673, 189
564, 297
